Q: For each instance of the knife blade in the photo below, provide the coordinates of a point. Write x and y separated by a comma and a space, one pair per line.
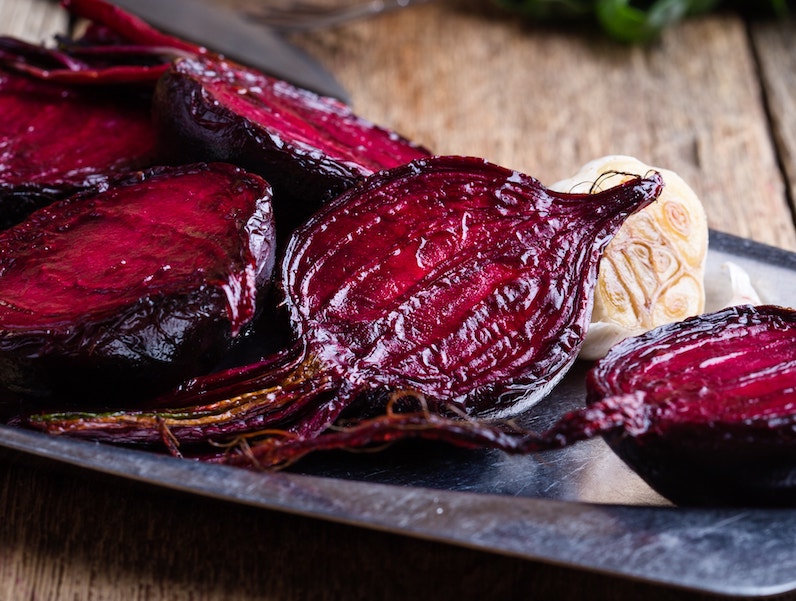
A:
224, 31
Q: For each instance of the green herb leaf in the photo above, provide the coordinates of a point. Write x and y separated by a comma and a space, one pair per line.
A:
635, 21
631, 24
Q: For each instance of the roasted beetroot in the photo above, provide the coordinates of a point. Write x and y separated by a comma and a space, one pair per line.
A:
116, 48
56, 140
308, 147
710, 406
111, 26
704, 410
135, 287
448, 282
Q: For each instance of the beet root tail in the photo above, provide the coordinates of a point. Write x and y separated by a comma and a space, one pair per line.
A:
272, 405
276, 450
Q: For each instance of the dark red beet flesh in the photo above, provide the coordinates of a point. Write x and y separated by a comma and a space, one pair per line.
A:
419, 289
453, 278
715, 406
308, 147
449, 282
136, 287
56, 140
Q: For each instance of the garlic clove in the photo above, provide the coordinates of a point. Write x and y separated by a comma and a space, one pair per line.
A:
728, 284
652, 272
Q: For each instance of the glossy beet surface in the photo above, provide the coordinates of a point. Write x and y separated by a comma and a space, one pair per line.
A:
135, 287
711, 405
450, 282
308, 147
454, 278
56, 140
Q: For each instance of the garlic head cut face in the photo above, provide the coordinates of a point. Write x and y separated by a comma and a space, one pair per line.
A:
652, 272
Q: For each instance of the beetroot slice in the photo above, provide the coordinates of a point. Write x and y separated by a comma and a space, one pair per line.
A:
119, 27
116, 48
99, 65
308, 147
56, 140
136, 287
711, 406
449, 282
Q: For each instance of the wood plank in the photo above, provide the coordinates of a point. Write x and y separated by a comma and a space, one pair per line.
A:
470, 80
75, 535
775, 45
32, 20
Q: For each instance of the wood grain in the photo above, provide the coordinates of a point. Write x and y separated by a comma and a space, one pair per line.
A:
69, 534
35, 21
775, 45
465, 79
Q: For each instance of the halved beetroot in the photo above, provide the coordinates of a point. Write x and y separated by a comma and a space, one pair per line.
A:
309, 147
710, 406
136, 287
450, 284
56, 140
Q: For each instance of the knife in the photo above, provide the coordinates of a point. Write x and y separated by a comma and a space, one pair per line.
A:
227, 33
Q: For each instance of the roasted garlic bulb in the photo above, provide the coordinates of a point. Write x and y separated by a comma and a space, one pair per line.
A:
652, 272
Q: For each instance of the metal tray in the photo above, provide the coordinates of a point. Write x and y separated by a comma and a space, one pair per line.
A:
579, 507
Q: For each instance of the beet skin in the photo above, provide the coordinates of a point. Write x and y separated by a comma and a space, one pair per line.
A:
710, 405
56, 140
134, 288
309, 147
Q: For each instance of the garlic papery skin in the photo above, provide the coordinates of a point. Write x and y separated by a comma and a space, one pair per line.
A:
727, 284
652, 272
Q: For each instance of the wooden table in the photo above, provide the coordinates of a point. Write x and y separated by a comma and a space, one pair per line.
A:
714, 100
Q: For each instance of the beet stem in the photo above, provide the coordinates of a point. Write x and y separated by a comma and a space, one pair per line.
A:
254, 409
625, 411
280, 449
